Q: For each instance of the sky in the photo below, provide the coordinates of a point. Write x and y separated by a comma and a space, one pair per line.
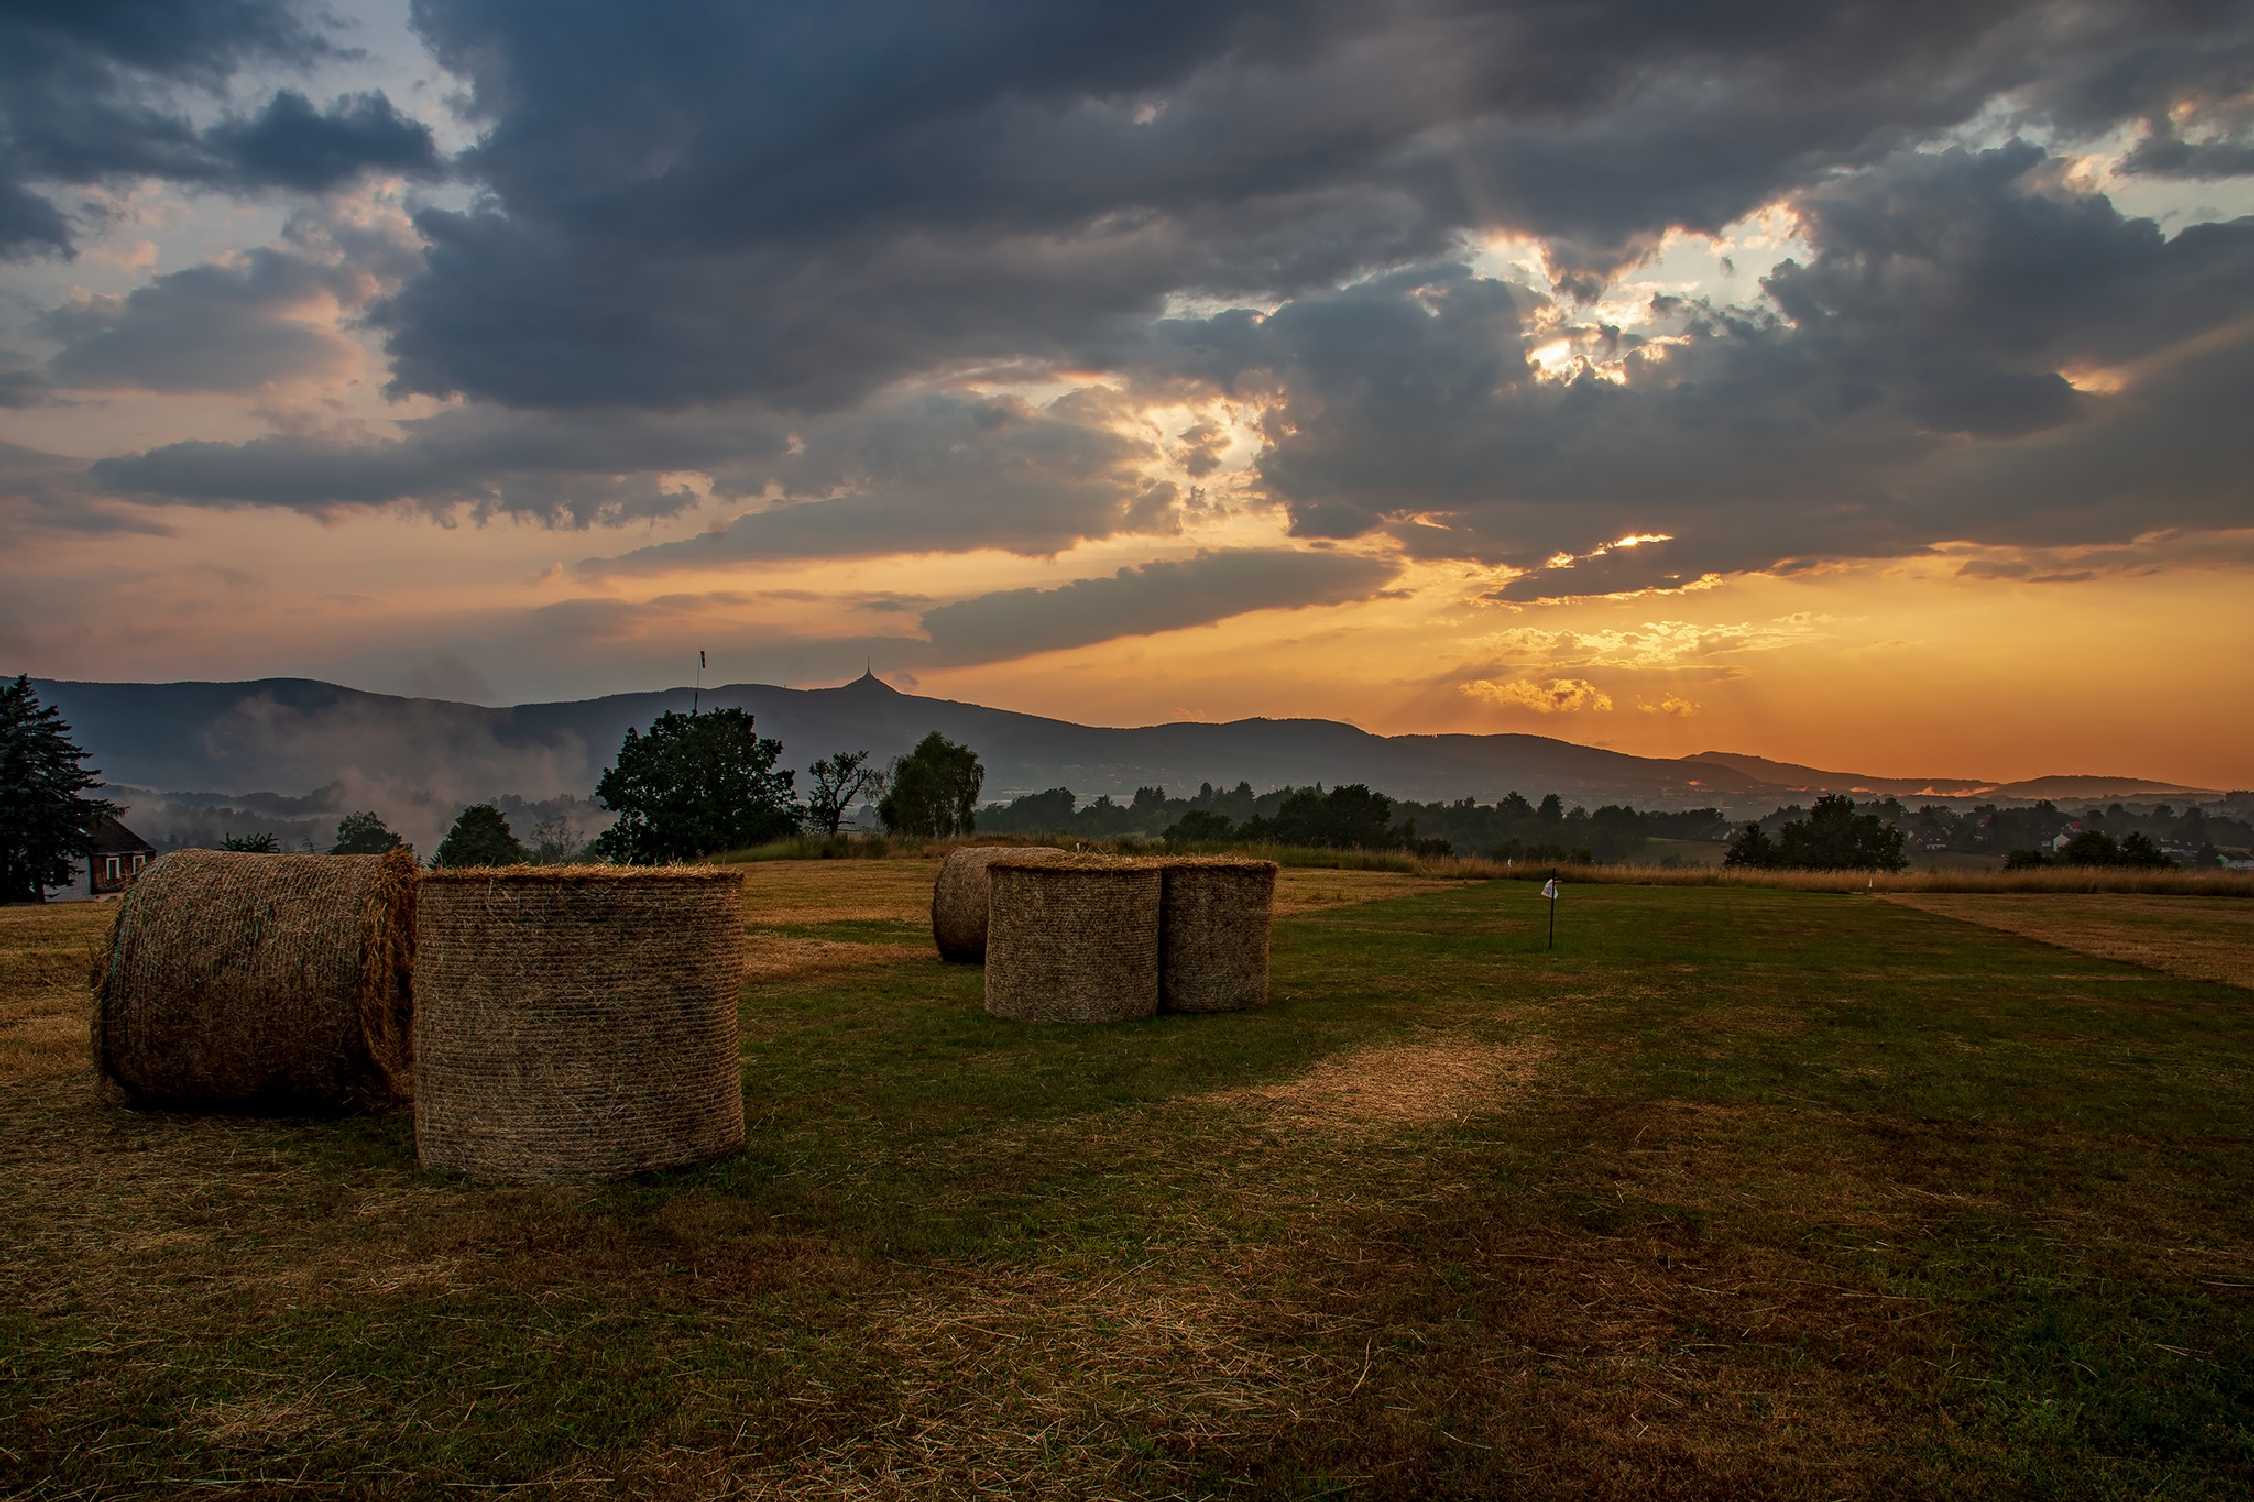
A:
1862, 384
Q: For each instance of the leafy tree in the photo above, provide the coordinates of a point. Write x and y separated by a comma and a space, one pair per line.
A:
556, 841
254, 844
1551, 810
46, 819
1515, 806
838, 780
2025, 860
1750, 847
2137, 849
480, 837
693, 785
1199, 824
1833, 837
933, 790
2090, 848
364, 834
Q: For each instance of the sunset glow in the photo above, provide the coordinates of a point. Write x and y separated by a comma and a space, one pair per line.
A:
1923, 458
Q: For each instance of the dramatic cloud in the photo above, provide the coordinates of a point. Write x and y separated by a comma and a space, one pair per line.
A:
1921, 356
89, 95
930, 474
1153, 597
265, 317
792, 208
1546, 696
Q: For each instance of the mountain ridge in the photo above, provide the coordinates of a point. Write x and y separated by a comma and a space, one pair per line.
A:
291, 734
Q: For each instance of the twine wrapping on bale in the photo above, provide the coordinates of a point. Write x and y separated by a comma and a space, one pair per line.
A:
1213, 934
577, 1021
1072, 939
260, 982
959, 897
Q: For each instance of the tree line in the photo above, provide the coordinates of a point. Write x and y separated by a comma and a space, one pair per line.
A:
1352, 816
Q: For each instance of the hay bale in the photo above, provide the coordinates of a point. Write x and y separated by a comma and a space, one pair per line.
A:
959, 897
577, 1021
1072, 939
1213, 934
260, 982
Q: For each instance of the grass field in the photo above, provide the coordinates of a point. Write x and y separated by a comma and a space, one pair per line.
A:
1740, 1192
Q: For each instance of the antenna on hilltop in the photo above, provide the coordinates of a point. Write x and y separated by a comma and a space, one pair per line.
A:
696, 695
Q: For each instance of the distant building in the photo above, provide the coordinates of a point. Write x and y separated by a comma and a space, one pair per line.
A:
2065, 836
114, 856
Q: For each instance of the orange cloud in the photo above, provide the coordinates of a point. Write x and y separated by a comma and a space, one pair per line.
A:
1548, 696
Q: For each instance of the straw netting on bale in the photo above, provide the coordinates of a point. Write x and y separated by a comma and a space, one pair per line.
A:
259, 982
1213, 934
1072, 939
577, 1022
959, 897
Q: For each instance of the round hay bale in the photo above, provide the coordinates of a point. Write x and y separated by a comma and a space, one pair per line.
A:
577, 1021
959, 898
260, 982
1213, 934
1072, 939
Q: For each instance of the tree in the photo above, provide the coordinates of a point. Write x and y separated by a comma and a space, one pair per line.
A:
1833, 837
1750, 848
838, 780
254, 844
1199, 824
46, 819
556, 841
2137, 849
364, 834
933, 790
1551, 809
480, 837
696, 784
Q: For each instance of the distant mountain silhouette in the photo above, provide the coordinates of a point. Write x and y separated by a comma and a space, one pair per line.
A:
291, 735
1796, 778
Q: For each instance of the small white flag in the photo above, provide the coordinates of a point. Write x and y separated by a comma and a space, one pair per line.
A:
1549, 889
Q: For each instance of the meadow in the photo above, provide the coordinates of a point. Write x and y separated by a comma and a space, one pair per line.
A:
1741, 1191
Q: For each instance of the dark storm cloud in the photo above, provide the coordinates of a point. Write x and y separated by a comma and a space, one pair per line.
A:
1000, 626
528, 466
290, 144
1906, 389
88, 96
934, 473
1154, 597
805, 205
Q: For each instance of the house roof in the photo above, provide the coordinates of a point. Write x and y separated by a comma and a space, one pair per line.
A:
105, 836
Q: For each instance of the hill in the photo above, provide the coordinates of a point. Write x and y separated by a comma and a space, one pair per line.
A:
1793, 777
294, 735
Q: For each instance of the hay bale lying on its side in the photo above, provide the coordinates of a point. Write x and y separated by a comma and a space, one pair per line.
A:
1072, 939
263, 982
577, 1021
959, 897
1213, 934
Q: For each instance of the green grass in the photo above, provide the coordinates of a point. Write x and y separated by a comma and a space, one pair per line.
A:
1738, 1192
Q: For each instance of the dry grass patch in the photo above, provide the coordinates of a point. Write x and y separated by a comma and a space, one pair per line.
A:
1302, 890
1398, 1085
2199, 938
772, 957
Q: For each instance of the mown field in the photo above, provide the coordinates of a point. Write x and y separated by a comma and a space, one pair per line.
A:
1740, 1192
